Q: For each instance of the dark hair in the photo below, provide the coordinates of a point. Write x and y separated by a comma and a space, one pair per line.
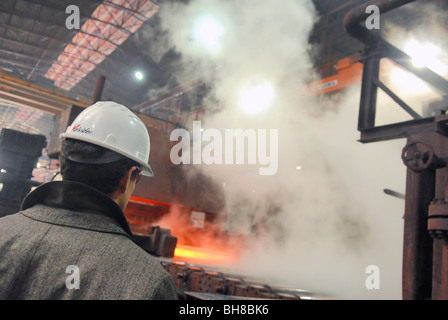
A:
103, 177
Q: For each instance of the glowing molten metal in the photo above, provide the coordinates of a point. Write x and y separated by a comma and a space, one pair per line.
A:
203, 255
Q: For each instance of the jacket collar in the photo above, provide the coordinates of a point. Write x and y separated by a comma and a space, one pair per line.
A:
77, 197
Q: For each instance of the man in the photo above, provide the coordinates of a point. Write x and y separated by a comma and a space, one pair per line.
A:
71, 239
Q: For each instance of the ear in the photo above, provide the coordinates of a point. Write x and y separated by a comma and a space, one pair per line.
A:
124, 182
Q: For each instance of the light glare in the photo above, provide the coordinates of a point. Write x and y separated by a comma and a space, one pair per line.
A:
256, 97
208, 32
425, 55
408, 81
139, 75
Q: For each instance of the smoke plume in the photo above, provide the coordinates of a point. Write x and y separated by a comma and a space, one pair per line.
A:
320, 227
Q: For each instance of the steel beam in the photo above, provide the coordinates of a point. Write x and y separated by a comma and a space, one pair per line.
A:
417, 244
358, 15
425, 242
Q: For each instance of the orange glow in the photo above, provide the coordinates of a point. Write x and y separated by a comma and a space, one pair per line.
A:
205, 243
149, 201
202, 255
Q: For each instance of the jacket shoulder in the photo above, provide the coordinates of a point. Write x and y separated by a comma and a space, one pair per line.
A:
145, 276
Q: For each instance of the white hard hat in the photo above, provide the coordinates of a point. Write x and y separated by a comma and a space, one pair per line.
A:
114, 127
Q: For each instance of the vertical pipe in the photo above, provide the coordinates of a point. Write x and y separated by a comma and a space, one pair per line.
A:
443, 264
369, 89
98, 88
437, 269
417, 243
444, 275
438, 244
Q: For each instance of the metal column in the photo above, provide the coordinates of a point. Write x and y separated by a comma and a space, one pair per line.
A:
425, 245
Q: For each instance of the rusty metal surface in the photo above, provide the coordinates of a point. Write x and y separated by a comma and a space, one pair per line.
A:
425, 252
426, 217
201, 282
417, 255
357, 15
376, 48
425, 243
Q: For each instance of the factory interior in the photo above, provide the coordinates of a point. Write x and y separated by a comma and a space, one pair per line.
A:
338, 187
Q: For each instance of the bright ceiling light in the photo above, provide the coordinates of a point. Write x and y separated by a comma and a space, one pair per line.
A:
139, 75
256, 96
408, 82
426, 55
208, 31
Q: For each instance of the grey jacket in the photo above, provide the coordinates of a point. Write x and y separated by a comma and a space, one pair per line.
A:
70, 241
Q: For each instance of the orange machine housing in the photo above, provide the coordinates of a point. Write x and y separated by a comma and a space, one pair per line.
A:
349, 72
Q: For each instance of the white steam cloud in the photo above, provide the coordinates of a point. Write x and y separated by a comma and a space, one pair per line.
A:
320, 227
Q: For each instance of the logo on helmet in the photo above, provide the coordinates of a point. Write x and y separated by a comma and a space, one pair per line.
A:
80, 129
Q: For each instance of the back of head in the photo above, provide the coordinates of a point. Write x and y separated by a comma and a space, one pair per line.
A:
102, 144
104, 177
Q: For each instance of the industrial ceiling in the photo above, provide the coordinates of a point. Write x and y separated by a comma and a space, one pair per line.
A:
59, 66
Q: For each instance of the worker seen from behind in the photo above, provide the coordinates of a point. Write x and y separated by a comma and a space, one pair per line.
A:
70, 239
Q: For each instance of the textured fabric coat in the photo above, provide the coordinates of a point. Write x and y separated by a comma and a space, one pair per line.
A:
70, 241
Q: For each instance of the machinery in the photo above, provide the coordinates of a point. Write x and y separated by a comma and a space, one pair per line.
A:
196, 282
196, 252
19, 153
425, 247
